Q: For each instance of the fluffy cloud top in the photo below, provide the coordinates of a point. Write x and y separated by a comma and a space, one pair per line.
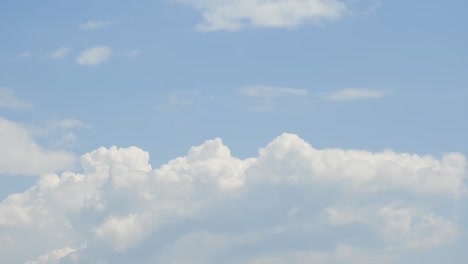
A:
94, 56
291, 204
20, 154
236, 14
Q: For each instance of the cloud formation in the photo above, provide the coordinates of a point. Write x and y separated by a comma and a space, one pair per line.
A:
20, 154
234, 15
263, 98
178, 101
271, 92
211, 207
356, 94
25, 55
94, 25
59, 53
10, 101
94, 56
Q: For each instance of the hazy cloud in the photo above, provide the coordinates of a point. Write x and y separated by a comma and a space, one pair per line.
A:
25, 54
97, 24
178, 101
94, 56
59, 53
356, 94
269, 98
270, 92
10, 101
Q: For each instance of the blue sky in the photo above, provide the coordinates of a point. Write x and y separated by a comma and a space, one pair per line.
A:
165, 76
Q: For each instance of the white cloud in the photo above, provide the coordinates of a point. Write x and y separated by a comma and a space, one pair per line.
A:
94, 56
20, 154
356, 94
271, 92
94, 25
59, 53
236, 14
9, 101
54, 256
209, 207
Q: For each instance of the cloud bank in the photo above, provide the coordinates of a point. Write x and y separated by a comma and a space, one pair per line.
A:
290, 204
234, 15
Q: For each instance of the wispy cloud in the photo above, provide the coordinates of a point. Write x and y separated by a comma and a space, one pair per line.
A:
59, 53
10, 101
269, 98
237, 14
94, 25
25, 55
94, 56
356, 94
179, 101
271, 92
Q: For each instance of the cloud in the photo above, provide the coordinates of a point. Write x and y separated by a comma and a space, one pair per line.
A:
9, 101
270, 92
20, 154
178, 101
25, 55
67, 123
54, 256
94, 56
234, 15
59, 53
268, 98
356, 94
290, 204
94, 25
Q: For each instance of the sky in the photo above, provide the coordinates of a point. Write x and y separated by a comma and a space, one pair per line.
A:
233, 131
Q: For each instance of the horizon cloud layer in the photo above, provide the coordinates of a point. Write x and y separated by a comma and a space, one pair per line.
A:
291, 204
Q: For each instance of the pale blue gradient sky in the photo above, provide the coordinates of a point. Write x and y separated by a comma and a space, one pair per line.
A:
169, 86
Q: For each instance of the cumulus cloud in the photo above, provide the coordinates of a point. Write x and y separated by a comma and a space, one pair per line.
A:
94, 56
290, 204
356, 94
236, 14
94, 25
59, 53
10, 101
20, 154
